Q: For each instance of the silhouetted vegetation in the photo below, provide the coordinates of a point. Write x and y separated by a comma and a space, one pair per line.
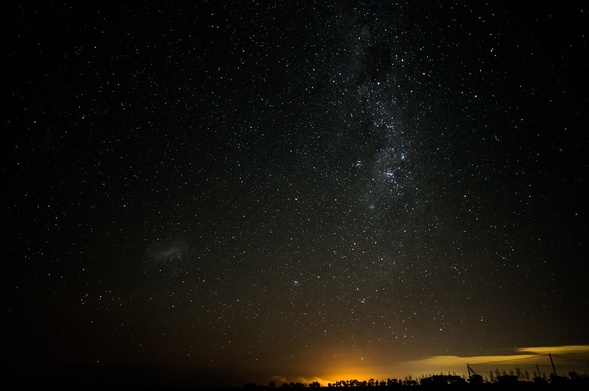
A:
519, 380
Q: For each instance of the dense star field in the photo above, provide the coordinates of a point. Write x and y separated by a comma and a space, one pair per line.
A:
213, 192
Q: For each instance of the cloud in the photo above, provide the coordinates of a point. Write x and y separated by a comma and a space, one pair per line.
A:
566, 349
567, 358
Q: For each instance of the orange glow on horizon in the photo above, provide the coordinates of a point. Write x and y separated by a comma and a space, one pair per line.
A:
571, 357
360, 373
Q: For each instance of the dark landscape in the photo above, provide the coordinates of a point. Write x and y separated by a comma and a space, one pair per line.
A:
573, 381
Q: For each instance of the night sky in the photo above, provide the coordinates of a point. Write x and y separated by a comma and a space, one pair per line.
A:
214, 192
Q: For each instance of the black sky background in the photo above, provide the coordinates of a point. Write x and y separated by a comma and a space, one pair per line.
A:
273, 188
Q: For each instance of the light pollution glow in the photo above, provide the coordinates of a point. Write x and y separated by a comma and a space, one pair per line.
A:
566, 358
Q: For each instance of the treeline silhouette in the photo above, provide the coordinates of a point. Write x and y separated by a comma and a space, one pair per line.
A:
574, 381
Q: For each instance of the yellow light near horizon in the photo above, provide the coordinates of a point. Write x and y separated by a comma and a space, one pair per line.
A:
363, 374
350, 369
565, 349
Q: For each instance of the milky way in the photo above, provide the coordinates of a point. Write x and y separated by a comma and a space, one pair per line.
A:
281, 191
